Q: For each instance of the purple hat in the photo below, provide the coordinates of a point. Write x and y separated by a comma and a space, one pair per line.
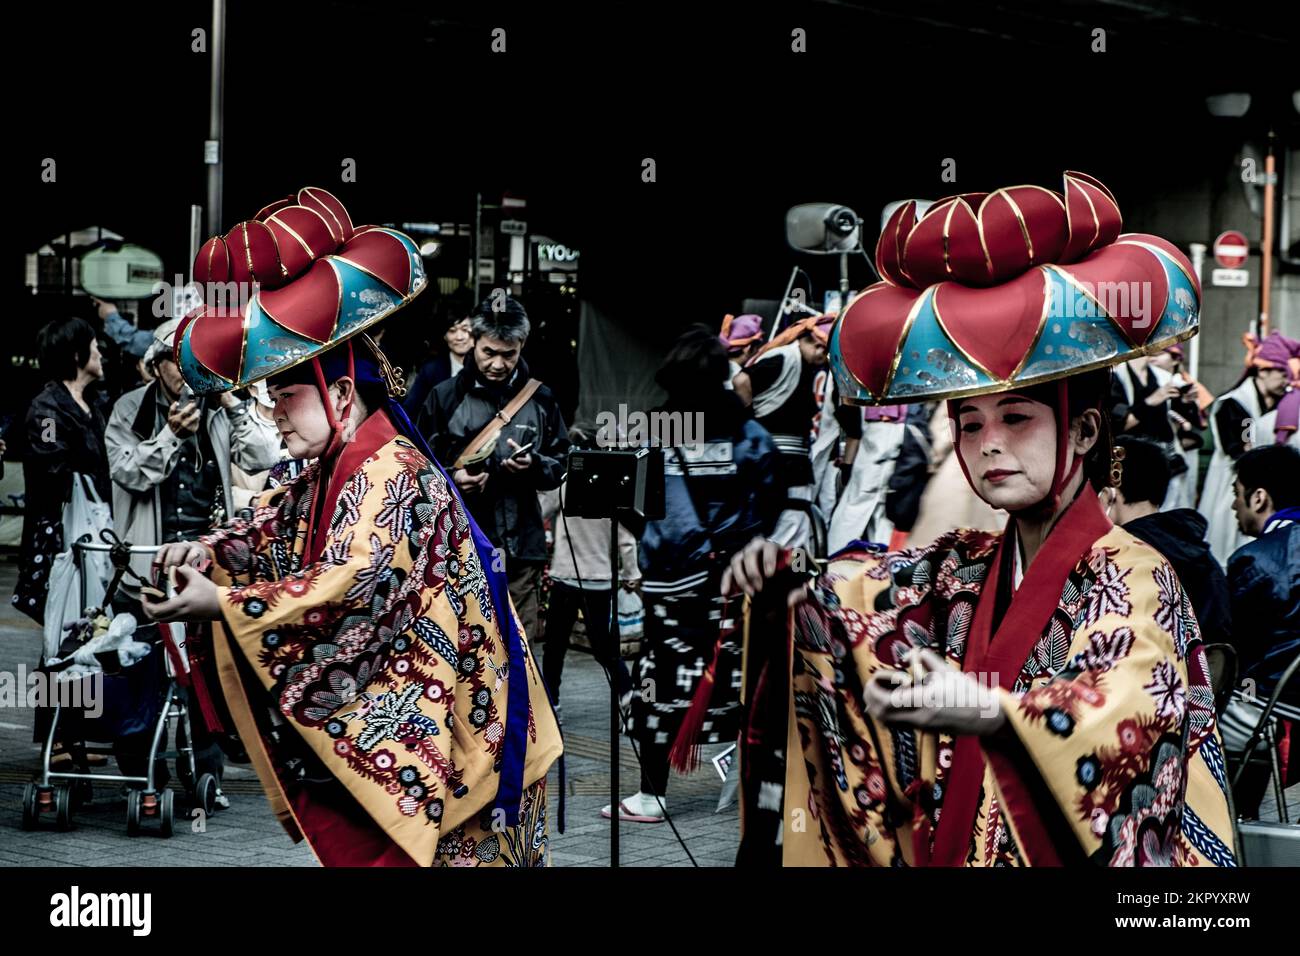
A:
1276, 351
741, 330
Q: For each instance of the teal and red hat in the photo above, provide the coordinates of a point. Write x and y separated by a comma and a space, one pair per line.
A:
287, 285
991, 291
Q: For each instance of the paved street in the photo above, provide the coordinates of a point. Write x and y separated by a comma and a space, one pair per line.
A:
248, 835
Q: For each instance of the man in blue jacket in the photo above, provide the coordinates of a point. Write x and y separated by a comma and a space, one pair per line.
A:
1264, 586
1264, 575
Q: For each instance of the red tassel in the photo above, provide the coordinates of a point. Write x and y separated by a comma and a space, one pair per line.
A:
685, 755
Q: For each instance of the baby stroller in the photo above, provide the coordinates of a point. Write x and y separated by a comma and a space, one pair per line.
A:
143, 672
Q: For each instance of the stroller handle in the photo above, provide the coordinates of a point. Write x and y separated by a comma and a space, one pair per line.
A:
95, 546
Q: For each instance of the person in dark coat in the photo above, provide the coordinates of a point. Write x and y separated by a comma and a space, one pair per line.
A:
1178, 534
65, 436
446, 360
1264, 584
722, 485
529, 456
1264, 574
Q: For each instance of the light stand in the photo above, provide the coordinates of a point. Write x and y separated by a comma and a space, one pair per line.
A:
616, 484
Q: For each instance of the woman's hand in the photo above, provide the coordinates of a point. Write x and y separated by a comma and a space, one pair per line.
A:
179, 553
935, 696
752, 566
195, 599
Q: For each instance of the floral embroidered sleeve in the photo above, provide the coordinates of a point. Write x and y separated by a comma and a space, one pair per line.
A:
386, 654
265, 546
864, 780
1114, 734
358, 564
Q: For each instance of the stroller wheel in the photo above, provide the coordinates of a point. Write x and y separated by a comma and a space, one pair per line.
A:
133, 812
205, 794
63, 807
165, 811
31, 815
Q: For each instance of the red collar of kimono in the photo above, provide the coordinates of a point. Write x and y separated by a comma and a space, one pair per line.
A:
1004, 654
373, 434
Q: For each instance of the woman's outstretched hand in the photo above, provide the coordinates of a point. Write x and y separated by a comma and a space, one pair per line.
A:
752, 566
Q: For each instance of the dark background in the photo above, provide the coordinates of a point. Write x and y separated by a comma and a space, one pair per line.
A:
740, 127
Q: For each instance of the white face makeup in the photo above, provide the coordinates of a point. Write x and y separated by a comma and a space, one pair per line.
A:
300, 416
1008, 443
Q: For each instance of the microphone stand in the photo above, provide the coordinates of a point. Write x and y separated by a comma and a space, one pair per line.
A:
615, 715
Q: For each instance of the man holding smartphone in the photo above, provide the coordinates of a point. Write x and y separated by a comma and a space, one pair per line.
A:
499, 479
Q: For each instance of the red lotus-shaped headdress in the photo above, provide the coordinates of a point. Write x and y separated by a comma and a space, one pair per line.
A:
984, 239
278, 244
1013, 287
313, 280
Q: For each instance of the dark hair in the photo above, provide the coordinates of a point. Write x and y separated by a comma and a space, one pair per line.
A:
1146, 470
502, 317
1086, 390
696, 363
334, 366
1276, 469
64, 347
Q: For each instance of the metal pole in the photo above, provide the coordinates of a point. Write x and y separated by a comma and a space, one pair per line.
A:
196, 235
1197, 250
1266, 244
615, 651
478, 230
216, 116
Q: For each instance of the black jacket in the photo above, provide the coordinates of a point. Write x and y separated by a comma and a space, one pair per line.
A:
1180, 536
507, 509
1264, 578
427, 377
61, 440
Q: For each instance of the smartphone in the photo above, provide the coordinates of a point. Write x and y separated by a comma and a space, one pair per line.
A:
519, 453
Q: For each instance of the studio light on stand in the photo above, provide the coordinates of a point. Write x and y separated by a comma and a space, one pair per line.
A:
820, 229
626, 486
825, 229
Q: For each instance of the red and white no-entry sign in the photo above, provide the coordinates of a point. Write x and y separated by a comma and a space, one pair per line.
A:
1231, 249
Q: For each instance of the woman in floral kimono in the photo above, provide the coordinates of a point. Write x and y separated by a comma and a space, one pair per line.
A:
368, 652
1034, 697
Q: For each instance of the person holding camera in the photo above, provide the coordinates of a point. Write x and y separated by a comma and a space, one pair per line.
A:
169, 456
1150, 401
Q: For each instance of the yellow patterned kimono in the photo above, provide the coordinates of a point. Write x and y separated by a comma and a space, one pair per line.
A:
371, 686
1109, 753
